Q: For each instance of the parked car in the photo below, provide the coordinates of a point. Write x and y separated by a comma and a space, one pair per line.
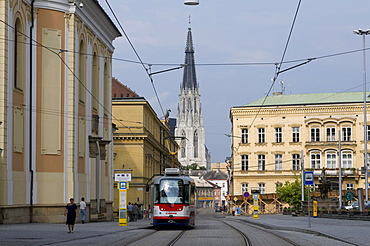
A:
355, 205
219, 208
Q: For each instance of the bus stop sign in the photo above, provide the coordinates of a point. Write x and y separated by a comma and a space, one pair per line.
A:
308, 178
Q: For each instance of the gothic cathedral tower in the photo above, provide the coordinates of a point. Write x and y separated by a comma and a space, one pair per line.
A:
189, 123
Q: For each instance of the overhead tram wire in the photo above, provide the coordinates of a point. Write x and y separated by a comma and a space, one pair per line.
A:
137, 55
278, 65
74, 75
203, 64
54, 50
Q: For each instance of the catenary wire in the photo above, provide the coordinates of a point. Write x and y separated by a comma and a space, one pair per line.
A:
137, 55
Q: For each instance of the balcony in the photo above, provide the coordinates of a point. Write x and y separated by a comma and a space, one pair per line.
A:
334, 172
329, 143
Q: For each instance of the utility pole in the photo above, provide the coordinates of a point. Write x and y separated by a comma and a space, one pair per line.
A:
302, 168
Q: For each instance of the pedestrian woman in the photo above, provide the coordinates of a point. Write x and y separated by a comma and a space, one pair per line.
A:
71, 213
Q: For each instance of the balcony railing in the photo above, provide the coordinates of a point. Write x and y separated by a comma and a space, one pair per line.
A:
334, 172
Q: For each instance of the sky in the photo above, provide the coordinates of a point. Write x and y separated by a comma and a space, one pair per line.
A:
236, 45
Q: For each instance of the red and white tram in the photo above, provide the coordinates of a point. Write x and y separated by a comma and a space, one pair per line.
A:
173, 199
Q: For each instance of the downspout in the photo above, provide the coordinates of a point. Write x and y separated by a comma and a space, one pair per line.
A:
30, 130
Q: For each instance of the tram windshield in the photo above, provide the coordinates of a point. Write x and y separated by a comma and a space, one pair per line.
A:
172, 191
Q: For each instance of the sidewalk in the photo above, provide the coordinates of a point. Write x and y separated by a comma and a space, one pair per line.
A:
44, 234
351, 231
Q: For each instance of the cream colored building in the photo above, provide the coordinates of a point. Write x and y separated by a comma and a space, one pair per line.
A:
55, 100
141, 146
270, 134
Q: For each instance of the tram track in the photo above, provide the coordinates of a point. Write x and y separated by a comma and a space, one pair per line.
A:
277, 231
268, 234
250, 237
246, 239
155, 237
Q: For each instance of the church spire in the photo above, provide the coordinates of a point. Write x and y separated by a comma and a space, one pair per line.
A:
189, 80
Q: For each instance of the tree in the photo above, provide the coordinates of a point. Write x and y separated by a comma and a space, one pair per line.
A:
193, 166
291, 192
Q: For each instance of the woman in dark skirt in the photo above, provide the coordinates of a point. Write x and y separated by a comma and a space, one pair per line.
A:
70, 212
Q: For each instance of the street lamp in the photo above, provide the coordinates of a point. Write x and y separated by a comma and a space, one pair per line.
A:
364, 33
191, 2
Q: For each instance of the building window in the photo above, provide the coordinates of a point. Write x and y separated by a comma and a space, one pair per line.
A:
368, 159
19, 55
349, 186
183, 144
278, 162
315, 160
82, 72
331, 160
296, 162
278, 135
244, 135
261, 162
315, 134
330, 134
244, 187
244, 162
347, 159
368, 132
261, 135
346, 133
295, 134
95, 87
195, 144
262, 188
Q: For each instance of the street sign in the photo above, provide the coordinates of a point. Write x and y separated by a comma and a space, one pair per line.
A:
235, 198
246, 194
350, 195
122, 185
308, 178
122, 177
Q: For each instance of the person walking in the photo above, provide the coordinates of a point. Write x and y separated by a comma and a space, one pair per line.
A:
135, 211
71, 213
129, 210
234, 209
149, 212
83, 210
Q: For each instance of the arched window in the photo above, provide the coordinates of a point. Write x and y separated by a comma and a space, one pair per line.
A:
95, 82
195, 144
82, 72
19, 56
331, 159
315, 157
347, 161
107, 91
183, 144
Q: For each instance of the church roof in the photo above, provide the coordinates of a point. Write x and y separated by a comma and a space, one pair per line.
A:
308, 99
120, 90
189, 80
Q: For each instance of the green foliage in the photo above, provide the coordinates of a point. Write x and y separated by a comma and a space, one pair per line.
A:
193, 166
291, 192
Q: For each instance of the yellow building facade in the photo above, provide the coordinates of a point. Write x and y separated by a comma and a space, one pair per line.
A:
142, 146
270, 135
55, 96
